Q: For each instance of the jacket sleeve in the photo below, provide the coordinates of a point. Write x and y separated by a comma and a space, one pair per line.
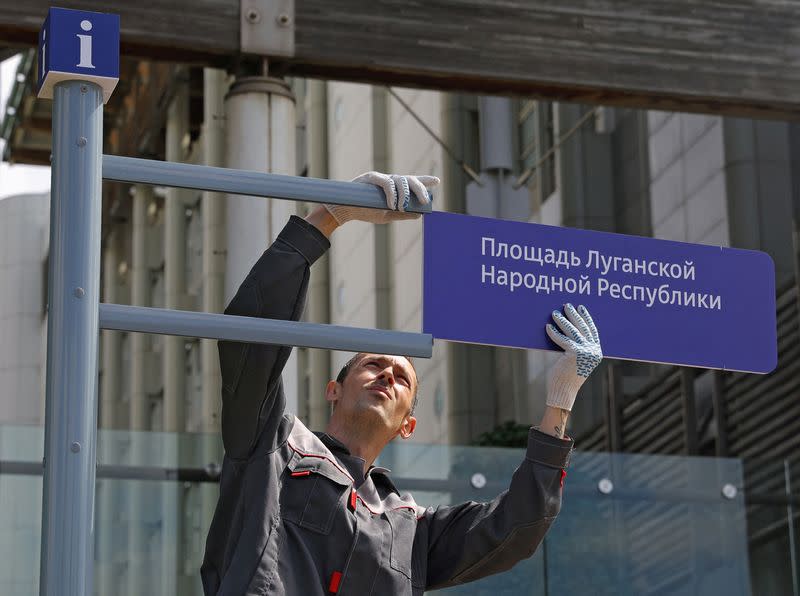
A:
472, 540
252, 392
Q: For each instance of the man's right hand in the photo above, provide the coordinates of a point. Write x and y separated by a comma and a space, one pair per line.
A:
397, 190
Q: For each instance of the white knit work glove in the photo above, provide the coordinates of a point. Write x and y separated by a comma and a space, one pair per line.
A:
582, 353
396, 189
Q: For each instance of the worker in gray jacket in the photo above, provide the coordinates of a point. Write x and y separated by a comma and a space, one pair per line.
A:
305, 514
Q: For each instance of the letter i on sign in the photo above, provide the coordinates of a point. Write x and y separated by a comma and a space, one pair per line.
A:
86, 45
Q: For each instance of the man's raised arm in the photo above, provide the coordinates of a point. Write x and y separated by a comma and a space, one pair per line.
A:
252, 392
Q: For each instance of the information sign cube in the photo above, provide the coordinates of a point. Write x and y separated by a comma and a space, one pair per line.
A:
78, 45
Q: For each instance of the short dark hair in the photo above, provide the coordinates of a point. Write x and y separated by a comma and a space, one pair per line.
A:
349, 365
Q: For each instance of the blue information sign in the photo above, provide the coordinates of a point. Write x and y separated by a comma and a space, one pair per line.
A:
78, 45
496, 282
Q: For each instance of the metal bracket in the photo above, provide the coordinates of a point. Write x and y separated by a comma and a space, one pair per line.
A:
266, 27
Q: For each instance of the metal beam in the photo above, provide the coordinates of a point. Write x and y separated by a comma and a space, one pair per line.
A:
615, 399
733, 57
689, 414
246, 182
264, 331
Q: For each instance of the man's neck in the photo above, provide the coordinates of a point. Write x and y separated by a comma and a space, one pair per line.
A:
367, 448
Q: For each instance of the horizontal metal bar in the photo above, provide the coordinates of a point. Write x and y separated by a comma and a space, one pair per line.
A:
211, 473
263, 331
246, 182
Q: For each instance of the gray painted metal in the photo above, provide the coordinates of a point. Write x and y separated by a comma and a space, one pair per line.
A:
787, 475
72, 336
265, 331
246, 182
266, 27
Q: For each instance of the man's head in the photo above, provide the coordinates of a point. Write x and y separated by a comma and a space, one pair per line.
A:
374, 396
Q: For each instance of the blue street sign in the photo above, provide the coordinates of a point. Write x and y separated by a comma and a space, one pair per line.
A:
78, 45
496, 282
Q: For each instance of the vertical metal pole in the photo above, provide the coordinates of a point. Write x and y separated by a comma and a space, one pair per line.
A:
689, 415
720, 411
72, 336
687, 377
790, 523
614, 408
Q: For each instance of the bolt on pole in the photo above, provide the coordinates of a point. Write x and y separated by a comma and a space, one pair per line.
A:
72, 337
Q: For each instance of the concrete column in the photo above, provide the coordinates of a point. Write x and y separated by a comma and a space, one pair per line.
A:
319, 286
110, 394
260, 136
213, 241
140, 289
175, 265
381, 161
171, 563
213, 134
138, 573
111, 390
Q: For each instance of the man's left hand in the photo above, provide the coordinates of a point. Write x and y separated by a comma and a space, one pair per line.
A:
582, 354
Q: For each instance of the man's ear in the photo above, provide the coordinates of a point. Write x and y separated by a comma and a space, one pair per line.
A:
407, 427
333, 391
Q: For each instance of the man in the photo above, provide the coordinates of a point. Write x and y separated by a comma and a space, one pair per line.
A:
306, 514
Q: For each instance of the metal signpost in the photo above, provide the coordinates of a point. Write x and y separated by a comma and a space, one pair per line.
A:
79, 68
668, 302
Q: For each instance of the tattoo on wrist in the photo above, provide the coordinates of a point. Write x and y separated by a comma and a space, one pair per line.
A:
561, 428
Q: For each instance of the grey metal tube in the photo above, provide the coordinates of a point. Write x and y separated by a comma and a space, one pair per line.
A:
72, 335
496, 126
787, 477
266, 331
245, 182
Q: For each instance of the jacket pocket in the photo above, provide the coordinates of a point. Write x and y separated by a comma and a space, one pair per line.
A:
313, 490
403, 523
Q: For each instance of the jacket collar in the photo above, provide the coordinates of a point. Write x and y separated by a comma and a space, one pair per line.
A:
339, 448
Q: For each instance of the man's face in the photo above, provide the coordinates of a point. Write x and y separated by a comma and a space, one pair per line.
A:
378, 392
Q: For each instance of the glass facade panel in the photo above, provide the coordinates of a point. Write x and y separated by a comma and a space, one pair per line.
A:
630, 524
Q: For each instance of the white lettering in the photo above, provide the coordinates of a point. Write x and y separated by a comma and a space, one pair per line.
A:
85, 46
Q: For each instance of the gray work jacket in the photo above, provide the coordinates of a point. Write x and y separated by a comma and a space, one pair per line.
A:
296, 514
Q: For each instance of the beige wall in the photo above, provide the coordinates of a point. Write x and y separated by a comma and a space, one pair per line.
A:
24, 230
